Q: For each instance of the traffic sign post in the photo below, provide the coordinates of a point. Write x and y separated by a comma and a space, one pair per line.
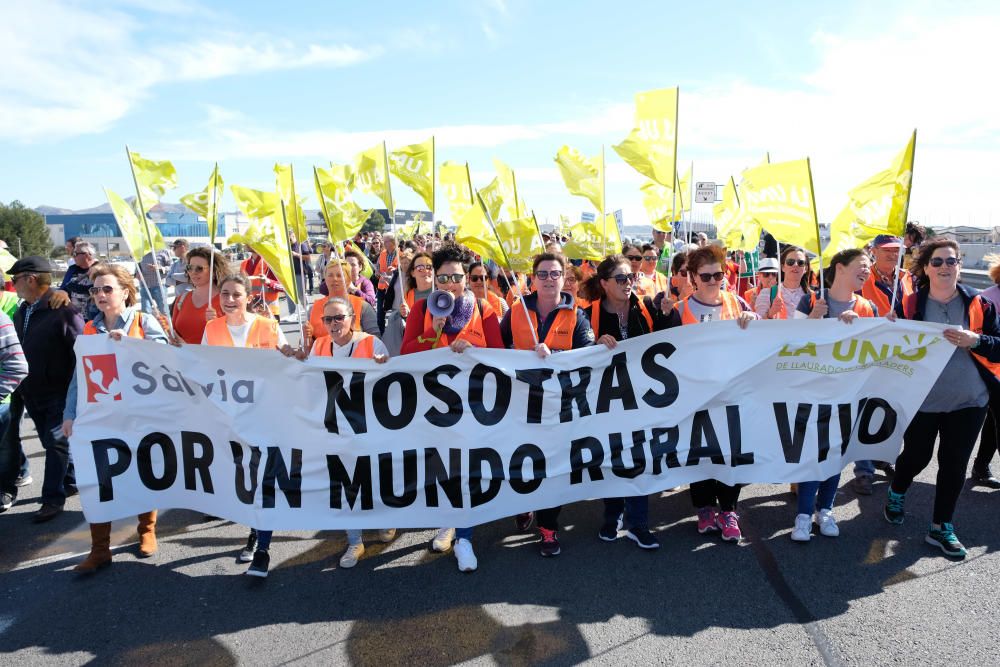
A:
704, 193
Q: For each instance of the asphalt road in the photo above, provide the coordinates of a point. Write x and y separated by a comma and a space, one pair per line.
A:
876, 595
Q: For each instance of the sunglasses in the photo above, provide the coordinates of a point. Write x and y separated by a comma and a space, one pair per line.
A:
555, 274
107, 289
625, 278
477, 279
192, 268
648, 258
446, 278
795, 262
682, 272
634, 258
939, 261
423, 267
333, 318
81, 254
709, 277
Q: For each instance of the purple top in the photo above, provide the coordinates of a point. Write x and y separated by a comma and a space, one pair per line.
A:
992, 294
367, 290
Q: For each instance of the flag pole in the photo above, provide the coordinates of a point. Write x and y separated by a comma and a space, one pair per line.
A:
291, 264
388, 187
433, 187
302, 263
152, 249
690, 197
329, 230
211, 236
819, 241
906, 214
506, 259
604, 206
131, 250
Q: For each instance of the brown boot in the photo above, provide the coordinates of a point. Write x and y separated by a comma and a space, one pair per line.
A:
147, 534
100, 549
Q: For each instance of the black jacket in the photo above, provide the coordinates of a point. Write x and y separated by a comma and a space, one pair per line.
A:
637, 324
48, 347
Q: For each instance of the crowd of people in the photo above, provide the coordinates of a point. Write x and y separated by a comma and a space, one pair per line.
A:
559, 305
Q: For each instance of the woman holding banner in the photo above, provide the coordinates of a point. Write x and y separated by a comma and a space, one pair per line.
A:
714, 501
849, 269
471, 323
334, 277
200, 305
779, 302
955, 408
617, 313
240, 328
546, 321
115, 295
480, 279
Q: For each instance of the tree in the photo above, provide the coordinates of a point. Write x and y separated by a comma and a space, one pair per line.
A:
374, 223
18, 222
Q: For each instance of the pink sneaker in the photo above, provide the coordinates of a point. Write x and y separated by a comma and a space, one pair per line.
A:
707, 521
729, 524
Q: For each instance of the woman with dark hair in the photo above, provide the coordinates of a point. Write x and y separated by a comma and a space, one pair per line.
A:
471, 323
200, 305
651, 282
955, 408
714, 501
680, 286
480, 279
572, 281
981, 473
546, 321
616, 313
779, 302
848, 272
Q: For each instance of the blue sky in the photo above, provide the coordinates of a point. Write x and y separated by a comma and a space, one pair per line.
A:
252, 83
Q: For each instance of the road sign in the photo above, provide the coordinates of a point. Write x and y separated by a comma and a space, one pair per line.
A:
704, 193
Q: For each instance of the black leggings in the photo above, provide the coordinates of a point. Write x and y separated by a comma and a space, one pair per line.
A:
548, 518
709, 492
958, 431
988, 442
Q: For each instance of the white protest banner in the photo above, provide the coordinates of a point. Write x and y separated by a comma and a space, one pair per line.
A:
445, 439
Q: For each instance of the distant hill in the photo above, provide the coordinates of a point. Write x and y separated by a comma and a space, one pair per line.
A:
106, 208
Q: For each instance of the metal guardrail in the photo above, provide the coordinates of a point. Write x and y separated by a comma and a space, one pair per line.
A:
976, 278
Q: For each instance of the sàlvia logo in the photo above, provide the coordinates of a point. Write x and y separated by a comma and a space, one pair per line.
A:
856, 354
101, 371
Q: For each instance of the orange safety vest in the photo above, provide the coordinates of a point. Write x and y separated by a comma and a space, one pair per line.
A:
595, 316
365, 349
263, 334
134, 331
472, 331
730, 308
861, 305
587, 269
383, 266
750, 296
976, 325
261, 269
494, 300
408, 298
316, 314
873, 293
513, 293
559, 336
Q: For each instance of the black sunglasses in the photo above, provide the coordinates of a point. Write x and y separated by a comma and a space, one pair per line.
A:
634, 258
192, 268
555, 274
709, 277
649, 258
939, 261
476, 279
333, 318
625, 278
795, 262
107, 289
445, 278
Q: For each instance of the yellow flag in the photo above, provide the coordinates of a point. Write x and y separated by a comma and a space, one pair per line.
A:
737, 230
493, 197
588, 239
471, 226
371, 174
7, 260
660, 205
457, 186
582, 175
651, 146
206, 202
153, 178
135, 231
294, 213
521, 242
516, 208
343, 217
266, 233
779, 196
684, 191
414, 165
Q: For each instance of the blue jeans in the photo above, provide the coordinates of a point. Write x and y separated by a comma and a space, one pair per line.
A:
463, 534
818, 495
636, 509
47, 412
157, 297
864, 468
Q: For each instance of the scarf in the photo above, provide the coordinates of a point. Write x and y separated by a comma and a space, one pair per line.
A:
461, 314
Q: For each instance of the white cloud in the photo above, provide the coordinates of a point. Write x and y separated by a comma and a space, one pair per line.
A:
70, 69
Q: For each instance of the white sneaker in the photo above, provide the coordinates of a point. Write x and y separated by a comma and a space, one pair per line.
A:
387, 535
803, 528
827, 524
466, 556
442, 541
352, 555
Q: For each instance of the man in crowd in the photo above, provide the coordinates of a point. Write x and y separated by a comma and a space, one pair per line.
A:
47, 337
13, 369
151, 268
75, 287
177, 274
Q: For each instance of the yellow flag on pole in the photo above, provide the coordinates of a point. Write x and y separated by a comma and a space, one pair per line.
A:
779, 196
684, 191
343, 217
471, 225
294, 213
206, 202
737, 230
651, 146
516, 208
266, 233
414, 165
493, 197
153, 178
658, 202
131, 227
582, 175
520, 241
457, 186
587, 239
370, 174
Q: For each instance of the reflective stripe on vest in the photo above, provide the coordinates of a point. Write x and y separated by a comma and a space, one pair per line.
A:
976, 325
472, 331
263, 334
364, 348
730, 309
316, 314
383, 266
559, 336
595, 316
